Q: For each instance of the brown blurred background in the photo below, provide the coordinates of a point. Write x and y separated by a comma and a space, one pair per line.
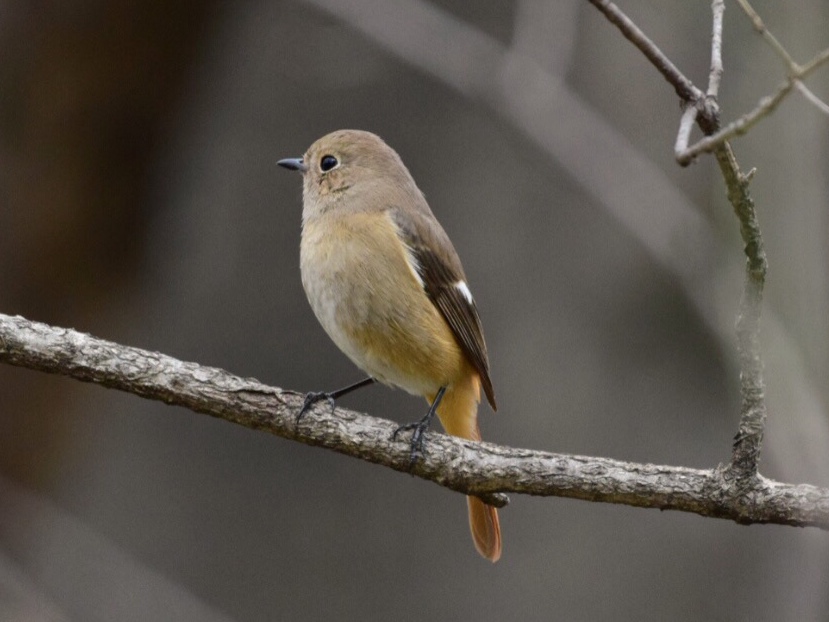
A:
140, 202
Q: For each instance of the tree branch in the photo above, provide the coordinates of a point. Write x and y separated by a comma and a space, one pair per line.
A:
715, 136
481, 469
683, 86
738, 127
716, 71
749, 438
793, 68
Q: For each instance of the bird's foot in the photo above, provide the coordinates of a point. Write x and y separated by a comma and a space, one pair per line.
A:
419, 429
312, 398
317, 396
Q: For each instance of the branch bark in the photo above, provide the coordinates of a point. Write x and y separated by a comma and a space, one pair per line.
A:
482, 469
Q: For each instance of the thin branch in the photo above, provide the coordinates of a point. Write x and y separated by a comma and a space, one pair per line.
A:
766, 105
749, 438
740, 126
745, 457
715, 74
714, 78
481, 469
686, 124
817, 60
760, 27
793, 68
683, 86
816, 101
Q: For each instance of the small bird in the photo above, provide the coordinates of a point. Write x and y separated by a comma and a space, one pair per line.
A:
387, 286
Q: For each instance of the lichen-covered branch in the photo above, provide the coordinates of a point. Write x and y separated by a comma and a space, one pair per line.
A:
481, 469
749, 438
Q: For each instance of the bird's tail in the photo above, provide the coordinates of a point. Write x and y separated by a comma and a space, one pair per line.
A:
458, 412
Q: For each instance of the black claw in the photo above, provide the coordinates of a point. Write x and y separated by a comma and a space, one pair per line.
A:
416, 445
419, 429
317, 396
311, 399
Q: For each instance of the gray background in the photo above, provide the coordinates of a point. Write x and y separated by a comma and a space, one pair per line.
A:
142, 203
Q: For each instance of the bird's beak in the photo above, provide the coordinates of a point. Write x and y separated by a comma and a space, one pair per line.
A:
294, 164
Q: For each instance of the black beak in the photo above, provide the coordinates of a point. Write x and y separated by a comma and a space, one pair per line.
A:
293, 164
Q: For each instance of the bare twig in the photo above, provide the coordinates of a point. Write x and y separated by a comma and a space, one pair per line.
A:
714, 77
793, 68
715, 74
686, 124
766, 105
738, 127
683, 86
816, 101
481, 469
760, 27
817, 60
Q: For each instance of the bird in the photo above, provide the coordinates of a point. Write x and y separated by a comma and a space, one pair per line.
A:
386, 284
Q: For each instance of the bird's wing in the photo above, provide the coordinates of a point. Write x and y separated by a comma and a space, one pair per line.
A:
445, 284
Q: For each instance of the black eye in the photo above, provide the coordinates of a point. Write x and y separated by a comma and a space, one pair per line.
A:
327, 162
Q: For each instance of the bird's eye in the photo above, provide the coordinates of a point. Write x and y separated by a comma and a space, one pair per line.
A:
327, 162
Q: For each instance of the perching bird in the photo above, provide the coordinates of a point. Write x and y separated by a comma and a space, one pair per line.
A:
387, 286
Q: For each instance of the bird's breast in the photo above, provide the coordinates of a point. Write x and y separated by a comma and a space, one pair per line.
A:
368, 298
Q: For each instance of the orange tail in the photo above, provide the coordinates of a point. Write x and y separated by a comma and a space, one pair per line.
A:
486, 530
458, 412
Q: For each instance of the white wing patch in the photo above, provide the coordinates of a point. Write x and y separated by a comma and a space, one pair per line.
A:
414, 266
464, 289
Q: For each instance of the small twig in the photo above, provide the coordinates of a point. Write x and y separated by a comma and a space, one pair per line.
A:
814, 99
760, 27
740, 126
715, 74
816, 61
766, 105
683, 86
714, 78
686, 123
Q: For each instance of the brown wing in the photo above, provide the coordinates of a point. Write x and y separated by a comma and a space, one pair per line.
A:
440, 280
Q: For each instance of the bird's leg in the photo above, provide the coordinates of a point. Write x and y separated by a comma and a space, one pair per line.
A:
317, 396
419, 427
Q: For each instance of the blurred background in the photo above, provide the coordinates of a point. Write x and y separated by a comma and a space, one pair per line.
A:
140, 202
